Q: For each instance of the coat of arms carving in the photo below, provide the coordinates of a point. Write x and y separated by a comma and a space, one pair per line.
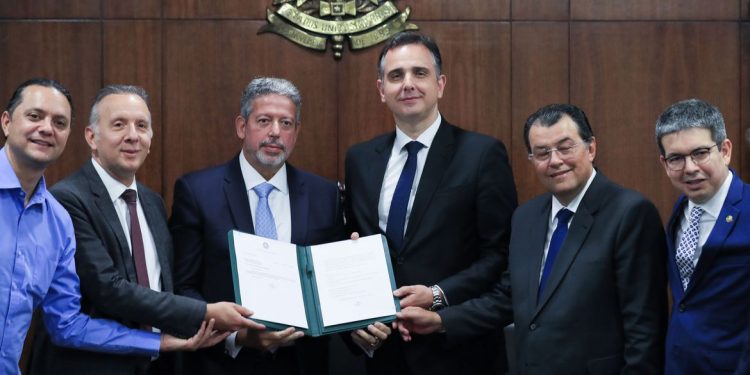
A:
311, 23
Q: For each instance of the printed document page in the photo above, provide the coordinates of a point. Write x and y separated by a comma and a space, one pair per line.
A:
269, 279
353, 280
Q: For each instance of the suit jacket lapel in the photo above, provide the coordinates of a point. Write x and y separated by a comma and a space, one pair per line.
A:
159, 233
299, 202
108, 213
235, 192
535, 247
374, 179
672, 226
439, 156
724, 225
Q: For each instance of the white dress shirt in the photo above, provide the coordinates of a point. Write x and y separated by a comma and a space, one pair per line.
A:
278, 198
396, 163
115, 189
712, 209
552, 221
281, 209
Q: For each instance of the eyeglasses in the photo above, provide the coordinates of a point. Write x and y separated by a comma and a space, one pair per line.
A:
699, 156
544, 154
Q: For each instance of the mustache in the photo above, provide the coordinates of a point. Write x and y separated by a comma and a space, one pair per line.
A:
273, 142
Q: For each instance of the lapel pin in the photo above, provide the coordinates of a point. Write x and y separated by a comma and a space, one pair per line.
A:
729, 218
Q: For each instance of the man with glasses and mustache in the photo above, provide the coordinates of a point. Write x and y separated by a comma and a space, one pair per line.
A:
586, 280
708, 237
256, 192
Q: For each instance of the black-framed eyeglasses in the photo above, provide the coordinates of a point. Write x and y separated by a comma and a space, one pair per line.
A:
700, 155
543, 154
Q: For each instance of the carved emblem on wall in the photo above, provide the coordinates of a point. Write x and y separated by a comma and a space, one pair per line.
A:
311, 23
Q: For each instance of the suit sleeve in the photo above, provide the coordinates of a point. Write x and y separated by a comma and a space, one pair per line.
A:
495, 201
476, 317
185, 225
115, 296
640, 267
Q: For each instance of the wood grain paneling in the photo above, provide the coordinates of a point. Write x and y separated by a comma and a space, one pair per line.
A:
207, 64
66, 51
540, 77
654, 10
207, 9
131, 9
624, 74
742, 144
451, 10
50, 9
132, 55
421, 9
540, 10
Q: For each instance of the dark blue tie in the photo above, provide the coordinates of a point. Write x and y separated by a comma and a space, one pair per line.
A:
394, 229
558, 236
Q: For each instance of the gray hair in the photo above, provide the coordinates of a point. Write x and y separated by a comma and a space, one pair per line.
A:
263, 86
112, 90
689, 114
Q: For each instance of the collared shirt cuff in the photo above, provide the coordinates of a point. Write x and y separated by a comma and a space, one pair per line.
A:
151, 341
230, 346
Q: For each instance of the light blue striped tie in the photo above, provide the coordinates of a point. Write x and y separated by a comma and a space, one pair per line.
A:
265, 226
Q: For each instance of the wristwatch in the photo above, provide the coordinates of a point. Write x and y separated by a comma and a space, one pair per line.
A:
438, 302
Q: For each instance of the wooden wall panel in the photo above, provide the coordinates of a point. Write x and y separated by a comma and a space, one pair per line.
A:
132, 55
451, 10
745, 10
66, 51
654, 10
50, 9
540, 9
131, 9
540, 76
207, 64
741, 151
476, 61
208, 9
624, 74
361, 114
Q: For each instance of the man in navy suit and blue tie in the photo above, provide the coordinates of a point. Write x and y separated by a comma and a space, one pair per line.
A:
257, 192
708, 239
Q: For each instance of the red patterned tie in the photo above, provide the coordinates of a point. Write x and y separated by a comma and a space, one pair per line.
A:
136, 238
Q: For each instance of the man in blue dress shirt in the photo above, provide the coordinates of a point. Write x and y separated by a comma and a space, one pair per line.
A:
37, 243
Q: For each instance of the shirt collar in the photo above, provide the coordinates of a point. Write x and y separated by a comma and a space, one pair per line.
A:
252, 178
9, 180
426, 138
114, 188
573, 205
713, 205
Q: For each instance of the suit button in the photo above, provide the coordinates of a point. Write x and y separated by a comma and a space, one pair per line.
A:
400, 260
682, 307
532, 326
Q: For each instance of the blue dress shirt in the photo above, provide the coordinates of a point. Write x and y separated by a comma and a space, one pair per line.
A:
37, 267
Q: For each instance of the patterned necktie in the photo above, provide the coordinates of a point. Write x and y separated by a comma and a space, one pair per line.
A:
265, 226
136, 238
555, 243
394, 229
688, 244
